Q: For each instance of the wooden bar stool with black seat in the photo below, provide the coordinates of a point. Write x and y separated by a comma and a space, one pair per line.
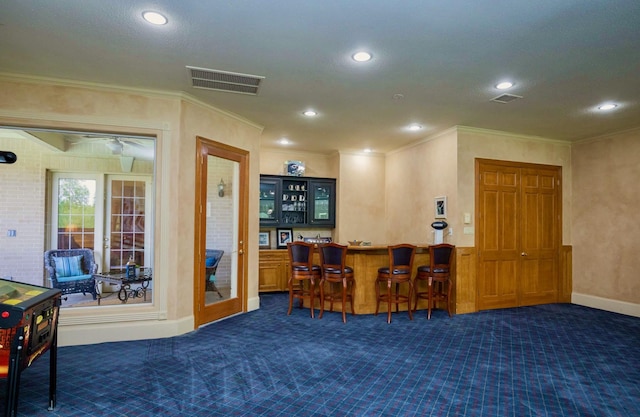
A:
438, 277
334, 272
398, 272
303, 275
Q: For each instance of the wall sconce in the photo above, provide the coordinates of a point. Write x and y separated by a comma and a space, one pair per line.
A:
221, 188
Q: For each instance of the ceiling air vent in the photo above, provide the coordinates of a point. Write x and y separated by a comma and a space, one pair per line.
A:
231, 82
505, 98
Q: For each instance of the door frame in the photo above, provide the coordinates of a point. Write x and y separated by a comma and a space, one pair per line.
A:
204, 314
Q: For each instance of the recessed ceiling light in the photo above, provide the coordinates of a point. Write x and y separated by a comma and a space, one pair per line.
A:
361, 56
310, 113
504, 85
368, 150
284, 141
608, 106
154, 18
414, 127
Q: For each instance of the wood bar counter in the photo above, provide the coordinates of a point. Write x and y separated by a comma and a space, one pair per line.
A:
365, 261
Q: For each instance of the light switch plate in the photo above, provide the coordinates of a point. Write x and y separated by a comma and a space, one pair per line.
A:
468, 230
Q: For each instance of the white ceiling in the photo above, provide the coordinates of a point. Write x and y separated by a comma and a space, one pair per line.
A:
565, 56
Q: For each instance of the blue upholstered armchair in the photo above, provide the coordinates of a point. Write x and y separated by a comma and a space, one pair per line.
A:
71, 270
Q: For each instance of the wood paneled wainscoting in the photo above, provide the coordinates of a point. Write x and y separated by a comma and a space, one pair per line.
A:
565, 287
465, 279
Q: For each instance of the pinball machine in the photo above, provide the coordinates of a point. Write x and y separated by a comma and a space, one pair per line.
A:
28, 329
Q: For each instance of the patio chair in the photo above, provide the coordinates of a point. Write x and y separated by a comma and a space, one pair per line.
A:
212, 259
71, 270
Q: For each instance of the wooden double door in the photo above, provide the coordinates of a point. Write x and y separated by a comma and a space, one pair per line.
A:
518, 234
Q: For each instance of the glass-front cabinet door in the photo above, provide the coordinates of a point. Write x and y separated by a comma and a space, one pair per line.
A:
323, 202
294, 202
269, 204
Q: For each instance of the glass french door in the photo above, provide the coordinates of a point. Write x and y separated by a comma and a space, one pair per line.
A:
219, 281
127, 219
77, 213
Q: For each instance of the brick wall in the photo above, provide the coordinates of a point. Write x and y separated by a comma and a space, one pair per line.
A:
220, 221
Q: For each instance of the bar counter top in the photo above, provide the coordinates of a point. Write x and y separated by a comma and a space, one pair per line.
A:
379, 247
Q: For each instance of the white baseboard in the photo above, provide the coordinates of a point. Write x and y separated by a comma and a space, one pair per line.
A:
88, 334
253, 303
615, 306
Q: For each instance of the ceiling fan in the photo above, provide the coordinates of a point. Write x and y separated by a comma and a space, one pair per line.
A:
117, 144
138, 147
127, 148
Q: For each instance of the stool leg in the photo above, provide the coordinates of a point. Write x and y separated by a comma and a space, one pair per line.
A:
344, 300
377, 297
322, 281
389, 301
312, 290
290, 297
430, 301
353, 310
409, 297
448, 296
397, 298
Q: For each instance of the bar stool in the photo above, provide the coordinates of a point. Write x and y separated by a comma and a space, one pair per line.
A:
438, 276
398, 272
334, 271
301, 270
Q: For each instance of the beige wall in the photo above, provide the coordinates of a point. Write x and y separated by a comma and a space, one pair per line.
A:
316, 164
415, 176
361, 209
175, 120
606, 223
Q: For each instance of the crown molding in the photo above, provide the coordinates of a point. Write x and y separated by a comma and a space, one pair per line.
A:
510, 135
151, 93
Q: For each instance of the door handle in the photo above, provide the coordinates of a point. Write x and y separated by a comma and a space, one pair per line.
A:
524, 254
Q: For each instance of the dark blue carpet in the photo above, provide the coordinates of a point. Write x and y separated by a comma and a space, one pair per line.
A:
550, 360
